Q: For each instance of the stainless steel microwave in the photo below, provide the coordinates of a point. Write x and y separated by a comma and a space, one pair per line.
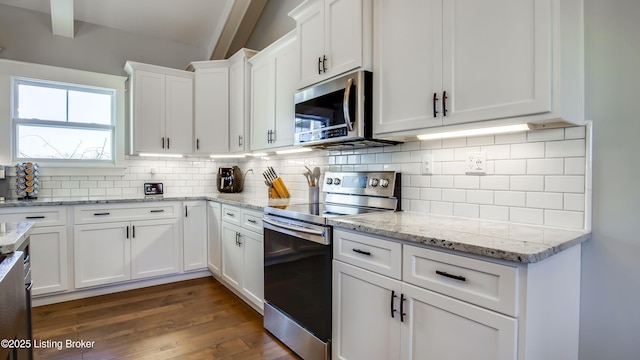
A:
337, 113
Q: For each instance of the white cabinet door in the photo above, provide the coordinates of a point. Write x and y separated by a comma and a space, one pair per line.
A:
343, 23
273, 85
179, 114
49, 264
363, 326
231, 255
310, 29
263, 99
148, 111
214, 237
155, 248
237, 106
407, 67
195, 235
286, 85
211, 101
102, 253
496, 59
439, 327
253, 266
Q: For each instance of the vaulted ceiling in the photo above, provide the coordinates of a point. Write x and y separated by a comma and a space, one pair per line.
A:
211, 24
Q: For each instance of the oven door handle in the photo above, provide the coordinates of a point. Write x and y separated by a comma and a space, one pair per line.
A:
294, 228
345, 105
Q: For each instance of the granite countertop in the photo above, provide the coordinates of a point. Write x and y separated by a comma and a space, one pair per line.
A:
500, 240
239, 199
12, 234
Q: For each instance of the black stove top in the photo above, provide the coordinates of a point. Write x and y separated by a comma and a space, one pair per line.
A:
318, 213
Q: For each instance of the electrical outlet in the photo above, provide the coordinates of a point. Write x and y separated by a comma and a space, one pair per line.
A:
476, 163
427, 164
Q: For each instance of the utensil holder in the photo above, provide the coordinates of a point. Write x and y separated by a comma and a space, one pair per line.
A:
314, 194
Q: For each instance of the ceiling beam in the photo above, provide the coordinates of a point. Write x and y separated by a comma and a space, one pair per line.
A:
242, 16
62, 18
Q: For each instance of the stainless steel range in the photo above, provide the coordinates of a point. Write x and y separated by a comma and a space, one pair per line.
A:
298, 254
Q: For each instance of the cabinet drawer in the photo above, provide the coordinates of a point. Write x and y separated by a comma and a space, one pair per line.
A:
232, 214
375, 254
252, 220
91, 214
41, 215
490, 285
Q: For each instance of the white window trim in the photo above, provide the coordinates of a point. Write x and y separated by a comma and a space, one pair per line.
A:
10, 69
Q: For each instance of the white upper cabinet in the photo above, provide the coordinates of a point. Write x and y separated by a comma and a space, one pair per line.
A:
475, 61
334, 36
239, 100
211, 104
161, 109
273, 85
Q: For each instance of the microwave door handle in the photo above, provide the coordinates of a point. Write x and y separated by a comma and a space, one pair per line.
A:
345, 105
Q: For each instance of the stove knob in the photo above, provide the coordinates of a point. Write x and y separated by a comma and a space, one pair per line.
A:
384, 183
329, 181
373, 182
336, 181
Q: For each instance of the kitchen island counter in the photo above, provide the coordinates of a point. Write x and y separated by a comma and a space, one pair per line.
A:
501, 240
13, 234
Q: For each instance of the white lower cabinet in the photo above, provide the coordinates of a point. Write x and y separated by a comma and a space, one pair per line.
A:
214, 259
48, 247
108, 250
368, 323
194, 224
242, 254
448, 306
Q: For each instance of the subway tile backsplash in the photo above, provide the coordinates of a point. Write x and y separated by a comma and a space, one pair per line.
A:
536, 177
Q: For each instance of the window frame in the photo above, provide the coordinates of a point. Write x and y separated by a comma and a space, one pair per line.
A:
17, 121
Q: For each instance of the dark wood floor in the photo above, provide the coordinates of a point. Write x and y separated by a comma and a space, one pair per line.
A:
195, 319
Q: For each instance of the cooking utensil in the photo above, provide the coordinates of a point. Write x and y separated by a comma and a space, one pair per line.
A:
316, 176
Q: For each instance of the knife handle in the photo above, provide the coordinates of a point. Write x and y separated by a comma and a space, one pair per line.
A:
280, 188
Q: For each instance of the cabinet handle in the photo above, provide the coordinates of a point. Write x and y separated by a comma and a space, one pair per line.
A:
156, 211
451, 276
186, 211
239, 241
361, 252
319, 65
231, 214
133, 232
127, 231
435, 102
163, 143
444, 103
35, 217
239, 140
393, 296
101, 214
197, 144
168, 143
251, 221
402, 313
324, 63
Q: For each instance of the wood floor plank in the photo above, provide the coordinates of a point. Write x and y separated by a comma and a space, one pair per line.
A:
195, 319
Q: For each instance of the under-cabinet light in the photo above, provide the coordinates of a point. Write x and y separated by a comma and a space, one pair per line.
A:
227, 156
257, 154
162, 155
293, 151
475, 132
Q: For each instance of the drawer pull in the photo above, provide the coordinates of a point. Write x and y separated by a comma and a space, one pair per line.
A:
446, 274
231, 214
101, 214
361, 252
35, 217
251, 221
156, 211
402, 313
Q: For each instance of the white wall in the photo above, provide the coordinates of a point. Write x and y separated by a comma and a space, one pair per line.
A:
273, 23
610, 309
26, 36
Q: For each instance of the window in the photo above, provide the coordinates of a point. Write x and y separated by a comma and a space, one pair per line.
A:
63, 122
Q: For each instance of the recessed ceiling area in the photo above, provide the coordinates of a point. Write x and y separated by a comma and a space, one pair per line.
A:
209, 24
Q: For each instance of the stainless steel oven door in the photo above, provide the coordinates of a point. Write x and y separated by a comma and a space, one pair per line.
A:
297, 285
